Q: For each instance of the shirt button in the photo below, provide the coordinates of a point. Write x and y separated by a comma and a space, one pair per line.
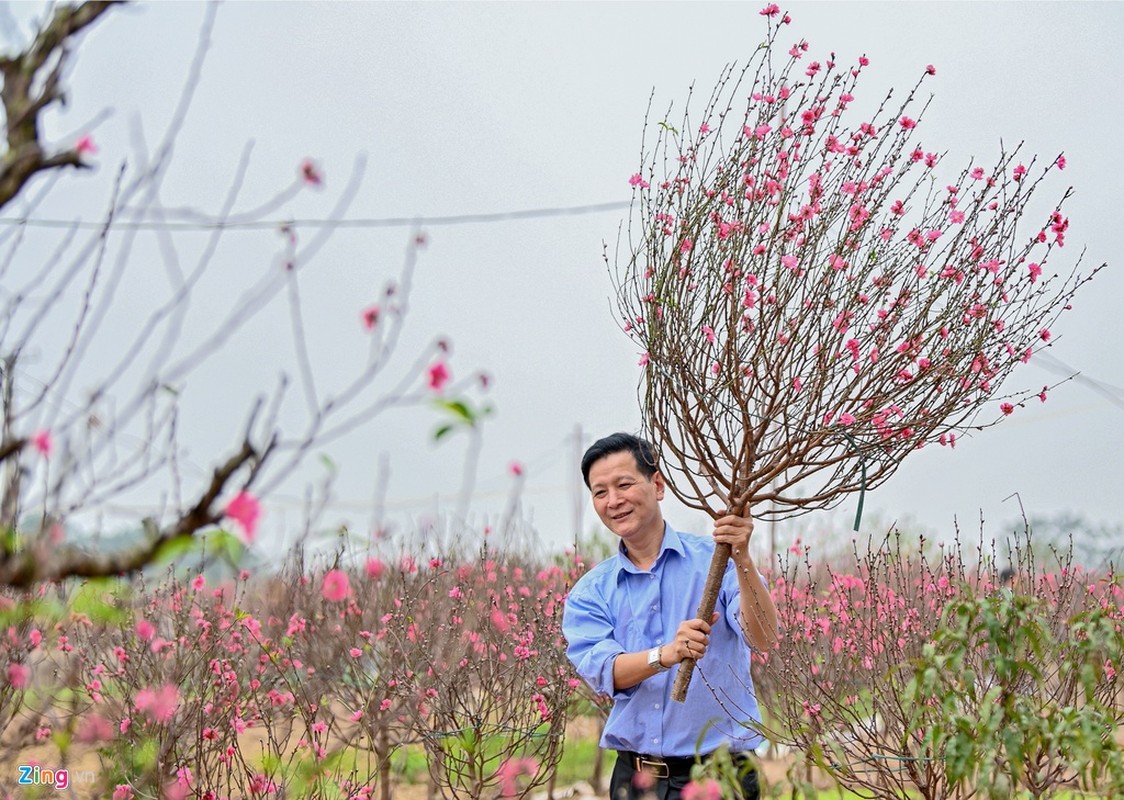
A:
655, 740
657, 705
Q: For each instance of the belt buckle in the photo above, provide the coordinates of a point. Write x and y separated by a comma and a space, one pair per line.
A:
654, 767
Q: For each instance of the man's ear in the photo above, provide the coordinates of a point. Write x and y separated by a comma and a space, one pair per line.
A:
661, 484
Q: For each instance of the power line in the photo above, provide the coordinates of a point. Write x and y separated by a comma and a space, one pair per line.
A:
362, 222
1114, 394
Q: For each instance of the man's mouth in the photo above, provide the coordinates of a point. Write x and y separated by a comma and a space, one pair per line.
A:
619, 517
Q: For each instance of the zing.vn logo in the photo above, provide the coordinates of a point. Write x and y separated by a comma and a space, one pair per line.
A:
35, 775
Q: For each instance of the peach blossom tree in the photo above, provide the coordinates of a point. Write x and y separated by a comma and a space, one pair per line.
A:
817, 291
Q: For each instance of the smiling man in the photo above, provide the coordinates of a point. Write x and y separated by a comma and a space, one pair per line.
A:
631, 620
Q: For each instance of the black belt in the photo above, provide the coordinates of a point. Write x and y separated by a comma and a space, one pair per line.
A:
668, 766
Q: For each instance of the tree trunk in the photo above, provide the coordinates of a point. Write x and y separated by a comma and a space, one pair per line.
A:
706, 610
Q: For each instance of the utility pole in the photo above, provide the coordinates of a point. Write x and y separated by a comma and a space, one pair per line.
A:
577, 494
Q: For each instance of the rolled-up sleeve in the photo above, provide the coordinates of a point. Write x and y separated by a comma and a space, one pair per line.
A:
731, 596
590, 643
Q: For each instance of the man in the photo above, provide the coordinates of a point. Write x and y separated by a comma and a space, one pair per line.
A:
630, 621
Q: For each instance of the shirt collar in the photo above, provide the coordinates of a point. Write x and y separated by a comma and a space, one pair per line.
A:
671, 541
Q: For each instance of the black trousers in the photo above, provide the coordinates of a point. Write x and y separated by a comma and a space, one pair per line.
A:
628, 784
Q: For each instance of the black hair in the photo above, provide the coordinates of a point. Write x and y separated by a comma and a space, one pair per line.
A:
621, 443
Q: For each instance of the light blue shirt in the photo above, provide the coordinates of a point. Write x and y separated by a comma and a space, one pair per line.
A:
617, 608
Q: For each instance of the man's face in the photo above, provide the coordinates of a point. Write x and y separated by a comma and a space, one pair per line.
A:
627, 502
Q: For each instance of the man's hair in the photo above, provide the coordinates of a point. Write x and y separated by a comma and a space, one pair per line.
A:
621, 443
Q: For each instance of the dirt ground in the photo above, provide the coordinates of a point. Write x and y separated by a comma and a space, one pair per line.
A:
84, 767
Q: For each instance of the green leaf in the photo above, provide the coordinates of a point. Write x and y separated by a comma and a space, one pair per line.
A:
458, 408
175, 548
442, 432
227, 545
90, 600
10, 541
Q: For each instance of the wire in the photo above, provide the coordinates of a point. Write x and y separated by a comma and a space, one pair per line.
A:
366, 222
1114, 394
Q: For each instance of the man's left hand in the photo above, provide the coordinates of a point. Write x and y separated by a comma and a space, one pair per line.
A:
735, 531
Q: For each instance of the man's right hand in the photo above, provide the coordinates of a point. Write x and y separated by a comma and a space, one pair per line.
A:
691, 640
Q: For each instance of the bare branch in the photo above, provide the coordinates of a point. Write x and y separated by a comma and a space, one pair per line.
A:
27, 92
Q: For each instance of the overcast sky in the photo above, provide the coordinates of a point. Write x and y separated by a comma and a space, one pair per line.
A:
473, 108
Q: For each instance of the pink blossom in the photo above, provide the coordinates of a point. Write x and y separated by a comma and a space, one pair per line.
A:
95, 728
439, 375
1035, 272
370, 317
310, 173
499, 620
198, 582
510, 771
18, 675
245, 509
704, 128
864, 61
704, 789
770, 10
930, 70
837, 262
1044, 335
375, 568
160, 704
1042, 394
1006, 408
643, 360
797, 384
336, 586
355, 652
145, 629
123, 792
638, 180
1061, 162
85, 146
846, 419
43, 442
907, 122
515, 469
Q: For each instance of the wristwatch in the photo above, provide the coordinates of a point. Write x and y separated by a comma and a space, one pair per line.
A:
654, 659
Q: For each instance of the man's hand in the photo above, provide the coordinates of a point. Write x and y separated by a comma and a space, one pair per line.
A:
690, 641
735, 531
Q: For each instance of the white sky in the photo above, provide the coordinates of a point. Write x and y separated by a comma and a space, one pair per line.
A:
486, 107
